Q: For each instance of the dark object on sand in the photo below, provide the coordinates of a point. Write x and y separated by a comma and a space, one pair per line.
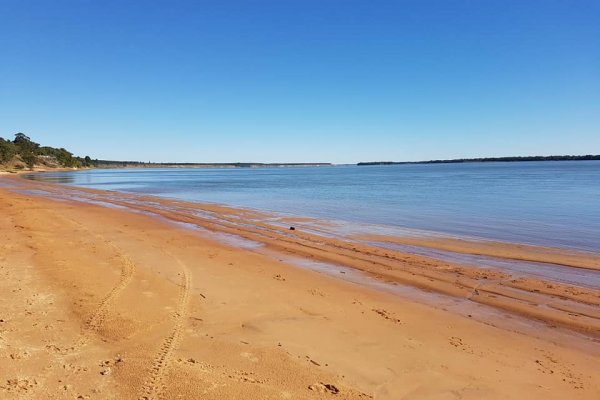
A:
292, 228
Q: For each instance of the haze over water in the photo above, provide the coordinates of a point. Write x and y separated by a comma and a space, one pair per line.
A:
543, 203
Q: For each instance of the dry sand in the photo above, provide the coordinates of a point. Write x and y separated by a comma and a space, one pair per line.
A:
105, 303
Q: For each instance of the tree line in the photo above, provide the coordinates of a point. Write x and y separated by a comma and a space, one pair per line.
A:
22, 151
489, 159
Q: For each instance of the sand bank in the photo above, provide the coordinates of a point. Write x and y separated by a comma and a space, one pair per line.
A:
511, 251
107, 303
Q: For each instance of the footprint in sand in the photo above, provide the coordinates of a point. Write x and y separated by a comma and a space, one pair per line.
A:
387, 315
324, 388
458, 343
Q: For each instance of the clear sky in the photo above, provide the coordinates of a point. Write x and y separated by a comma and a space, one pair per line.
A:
292, 81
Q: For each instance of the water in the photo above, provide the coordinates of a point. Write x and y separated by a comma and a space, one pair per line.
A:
542, 203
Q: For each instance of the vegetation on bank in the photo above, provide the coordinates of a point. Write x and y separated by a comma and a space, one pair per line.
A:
22, 152
488, 159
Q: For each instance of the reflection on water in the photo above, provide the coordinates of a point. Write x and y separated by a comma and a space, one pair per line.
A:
53, 177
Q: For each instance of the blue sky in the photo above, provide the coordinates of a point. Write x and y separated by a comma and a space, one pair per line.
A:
274, 81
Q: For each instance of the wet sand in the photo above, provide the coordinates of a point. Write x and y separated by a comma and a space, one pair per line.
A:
496, 249
121, 302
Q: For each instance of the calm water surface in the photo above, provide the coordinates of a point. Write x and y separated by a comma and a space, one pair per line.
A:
544, 203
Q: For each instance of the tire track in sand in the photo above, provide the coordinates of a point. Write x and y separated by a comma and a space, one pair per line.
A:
96, 319
155, 385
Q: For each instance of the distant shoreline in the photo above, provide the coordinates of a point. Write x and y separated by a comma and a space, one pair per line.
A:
139, 164
487, 159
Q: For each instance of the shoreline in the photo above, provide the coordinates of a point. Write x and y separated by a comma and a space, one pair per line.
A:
293, 316
509, 159
471, 226
567, 305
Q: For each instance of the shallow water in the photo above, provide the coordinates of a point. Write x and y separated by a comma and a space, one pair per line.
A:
542, 203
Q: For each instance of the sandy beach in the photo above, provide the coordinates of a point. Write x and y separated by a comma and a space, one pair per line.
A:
117, 297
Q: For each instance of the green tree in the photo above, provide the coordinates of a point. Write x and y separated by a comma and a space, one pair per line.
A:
27, 149
21, 138
7, 150
24, 143
31, 153
29, 159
